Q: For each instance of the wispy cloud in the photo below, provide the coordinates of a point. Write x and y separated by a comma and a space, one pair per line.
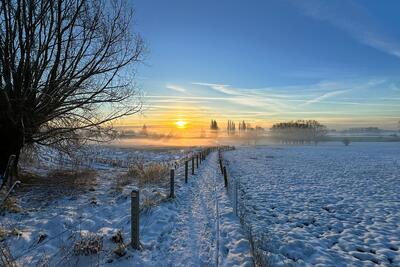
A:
352, 19
275, 103
176, 88
325, 96
222, 88
295, 97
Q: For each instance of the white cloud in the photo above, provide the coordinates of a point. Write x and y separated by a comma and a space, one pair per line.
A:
222, 88
176, 88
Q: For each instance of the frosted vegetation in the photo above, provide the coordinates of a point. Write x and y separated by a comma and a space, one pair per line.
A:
75, 210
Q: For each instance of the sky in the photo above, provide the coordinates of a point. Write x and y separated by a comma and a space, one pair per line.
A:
269, 61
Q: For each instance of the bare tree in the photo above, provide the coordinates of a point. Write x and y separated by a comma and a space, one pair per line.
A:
62, 67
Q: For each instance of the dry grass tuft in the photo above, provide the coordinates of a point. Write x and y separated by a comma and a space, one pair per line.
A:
118, 238
10, 205
143, 174
88, 244
3, 233
120, 250
153, 173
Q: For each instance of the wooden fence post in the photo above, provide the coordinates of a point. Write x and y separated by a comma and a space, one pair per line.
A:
172, 183
220, 166
192, 165
197, 161
225, 177
186, 170
135, 219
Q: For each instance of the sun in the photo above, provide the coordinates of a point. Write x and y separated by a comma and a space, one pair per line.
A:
180, 124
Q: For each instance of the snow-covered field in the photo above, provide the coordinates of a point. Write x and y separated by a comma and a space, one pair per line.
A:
325, 205
63, 225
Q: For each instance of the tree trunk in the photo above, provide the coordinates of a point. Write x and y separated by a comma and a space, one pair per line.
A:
11, 142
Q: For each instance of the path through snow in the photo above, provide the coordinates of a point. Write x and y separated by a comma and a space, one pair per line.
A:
184, 231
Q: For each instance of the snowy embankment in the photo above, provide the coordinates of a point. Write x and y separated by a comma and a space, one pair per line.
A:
326, 205
58, 227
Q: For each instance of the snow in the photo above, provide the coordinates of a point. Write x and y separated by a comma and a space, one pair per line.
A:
197, 227
184, 232
325, 205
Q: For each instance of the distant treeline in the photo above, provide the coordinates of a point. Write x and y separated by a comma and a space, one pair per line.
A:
300, 131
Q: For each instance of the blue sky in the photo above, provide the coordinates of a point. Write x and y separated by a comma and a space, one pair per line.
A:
268, 61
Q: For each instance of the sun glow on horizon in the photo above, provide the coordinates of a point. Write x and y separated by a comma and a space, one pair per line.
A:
181, 124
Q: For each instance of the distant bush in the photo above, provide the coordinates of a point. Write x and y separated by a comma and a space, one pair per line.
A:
299, 132
346, 141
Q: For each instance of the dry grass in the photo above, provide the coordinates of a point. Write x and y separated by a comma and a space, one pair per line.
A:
118, 237
122, 180
142, 174
151, 178
120, 250
56, 184
153, 173
88, 244
82, 179
10, 205
148, 203
3, 233
67, 179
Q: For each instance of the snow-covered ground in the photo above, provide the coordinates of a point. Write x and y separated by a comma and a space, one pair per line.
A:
56, 223
325, 205
197, 228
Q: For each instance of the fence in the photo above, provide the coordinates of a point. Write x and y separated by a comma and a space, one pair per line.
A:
195, 159
235, 193
232, 185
